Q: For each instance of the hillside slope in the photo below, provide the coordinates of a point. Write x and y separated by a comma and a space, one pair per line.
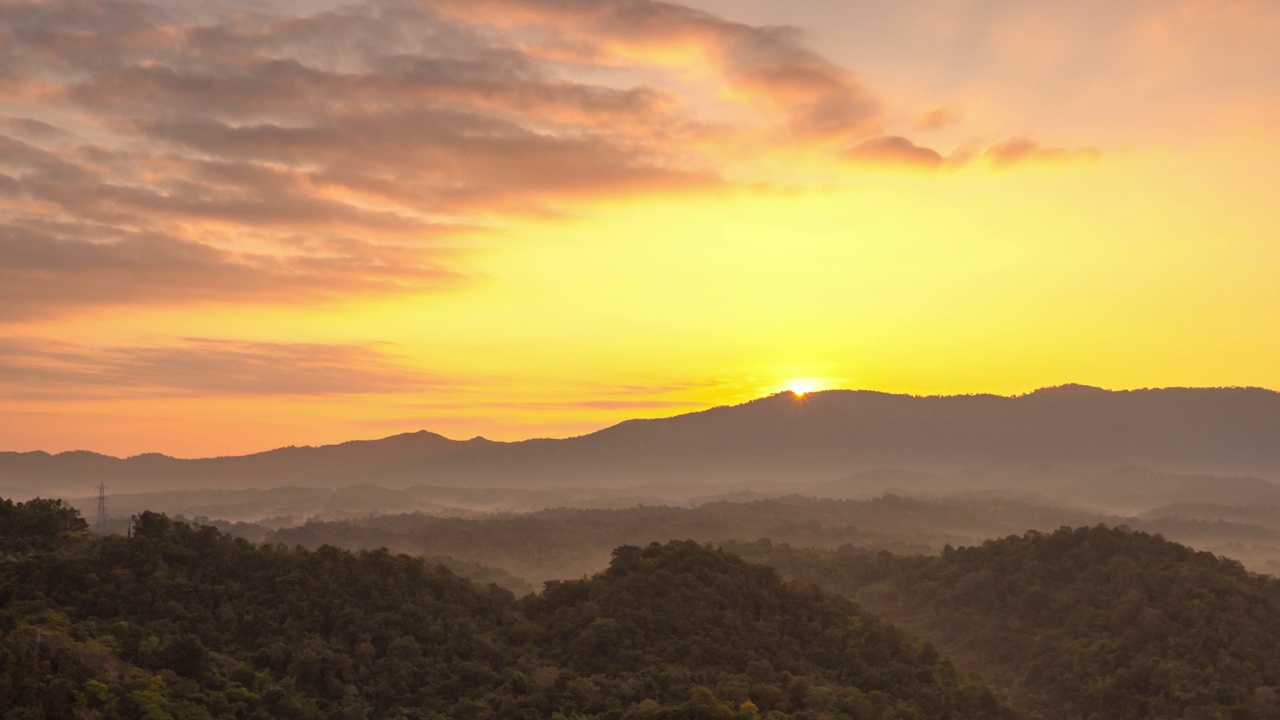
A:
177, 621
1086, 622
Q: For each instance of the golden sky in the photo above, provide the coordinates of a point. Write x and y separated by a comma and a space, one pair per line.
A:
229, 226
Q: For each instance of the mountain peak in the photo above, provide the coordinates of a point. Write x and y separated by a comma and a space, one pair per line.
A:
1069, 390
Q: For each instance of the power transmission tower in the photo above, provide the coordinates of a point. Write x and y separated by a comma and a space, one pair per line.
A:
102, 506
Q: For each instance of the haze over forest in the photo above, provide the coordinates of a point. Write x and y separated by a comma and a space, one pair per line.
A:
820, 469
964, 542
639, 360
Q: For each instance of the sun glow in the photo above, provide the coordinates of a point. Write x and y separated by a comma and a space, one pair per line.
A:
803, 386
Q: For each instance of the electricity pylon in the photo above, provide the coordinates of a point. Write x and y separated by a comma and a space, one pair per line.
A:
102, 506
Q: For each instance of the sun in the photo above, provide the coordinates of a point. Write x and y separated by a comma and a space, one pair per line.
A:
802, 386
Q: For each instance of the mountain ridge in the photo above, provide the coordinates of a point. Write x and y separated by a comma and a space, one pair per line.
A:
774, 439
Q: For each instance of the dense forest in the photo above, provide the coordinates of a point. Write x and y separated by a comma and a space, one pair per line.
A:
180, 621
1078, 623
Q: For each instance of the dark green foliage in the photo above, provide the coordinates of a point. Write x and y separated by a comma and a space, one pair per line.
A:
39, 524
178, 614
1078, 623
669, 619
185, 622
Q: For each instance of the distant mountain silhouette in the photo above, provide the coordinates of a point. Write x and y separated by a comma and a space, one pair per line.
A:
780, 439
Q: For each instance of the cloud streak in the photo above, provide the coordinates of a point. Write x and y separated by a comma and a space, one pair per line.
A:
770, 66
895, 150
1022, 150
202, 367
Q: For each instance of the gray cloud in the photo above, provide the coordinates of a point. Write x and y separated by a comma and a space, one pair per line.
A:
46, 269
27, 127
820, 98
346, 145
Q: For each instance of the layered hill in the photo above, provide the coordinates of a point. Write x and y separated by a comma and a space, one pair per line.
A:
570, 543
178, 621
783, 438
1085, 622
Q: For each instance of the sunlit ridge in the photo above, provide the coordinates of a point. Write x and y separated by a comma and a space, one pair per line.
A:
803, 386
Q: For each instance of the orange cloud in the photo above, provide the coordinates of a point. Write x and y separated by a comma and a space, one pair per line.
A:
893, 149
901, 151
201, 367
1021, 150
294, 158
938, 117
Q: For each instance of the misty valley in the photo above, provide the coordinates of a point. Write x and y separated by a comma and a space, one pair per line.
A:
950, 570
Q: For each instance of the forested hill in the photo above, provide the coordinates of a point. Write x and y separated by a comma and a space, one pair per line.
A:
778, 439
1078, 623
184, 622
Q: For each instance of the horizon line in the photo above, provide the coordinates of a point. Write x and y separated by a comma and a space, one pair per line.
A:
797, 395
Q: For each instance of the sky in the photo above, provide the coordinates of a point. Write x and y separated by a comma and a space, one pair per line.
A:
229, 226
